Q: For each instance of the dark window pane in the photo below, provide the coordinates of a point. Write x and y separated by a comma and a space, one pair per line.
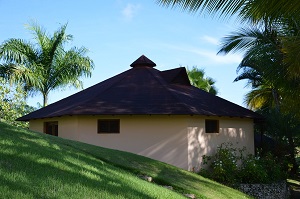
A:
108, 126
103, 126
56, 130
212, 126
51, 128
114, 126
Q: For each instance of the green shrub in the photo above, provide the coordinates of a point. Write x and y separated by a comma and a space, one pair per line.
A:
273, 167
230, 165
252, 171
224, 164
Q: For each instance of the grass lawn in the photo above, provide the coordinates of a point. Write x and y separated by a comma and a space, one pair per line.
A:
35, 165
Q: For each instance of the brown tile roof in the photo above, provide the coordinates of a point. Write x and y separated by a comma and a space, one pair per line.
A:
143, 90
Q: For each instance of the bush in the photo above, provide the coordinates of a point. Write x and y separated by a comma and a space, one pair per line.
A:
230, 166
252, 171
224, 163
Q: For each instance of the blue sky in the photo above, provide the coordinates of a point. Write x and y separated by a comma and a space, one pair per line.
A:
117, 32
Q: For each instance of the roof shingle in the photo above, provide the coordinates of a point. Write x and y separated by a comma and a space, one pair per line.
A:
143, 90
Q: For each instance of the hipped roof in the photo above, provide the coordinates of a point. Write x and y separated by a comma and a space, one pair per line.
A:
143, 90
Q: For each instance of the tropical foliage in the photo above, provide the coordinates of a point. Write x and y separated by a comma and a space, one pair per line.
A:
198, 79
45, 65
271, 64
285, 129
262, 64
12, 103
275, 92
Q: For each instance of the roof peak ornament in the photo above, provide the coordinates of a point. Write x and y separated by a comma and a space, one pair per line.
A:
143, 61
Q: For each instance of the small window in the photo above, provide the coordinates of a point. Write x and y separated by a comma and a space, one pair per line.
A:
212, 126
108, 126
51, 128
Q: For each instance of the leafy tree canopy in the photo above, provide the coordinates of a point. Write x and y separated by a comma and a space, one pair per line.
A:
13, 104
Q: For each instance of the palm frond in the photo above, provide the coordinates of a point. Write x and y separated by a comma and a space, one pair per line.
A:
241, 40
256, 10
58, 40
17, 51
39, 34
258, 98
6, 70
197, 79
219, 7
69, 67
246, 10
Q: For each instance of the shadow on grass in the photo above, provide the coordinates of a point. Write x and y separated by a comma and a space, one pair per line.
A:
163, 174
68, 171
33, 170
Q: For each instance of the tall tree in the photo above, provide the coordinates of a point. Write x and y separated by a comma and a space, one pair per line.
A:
45, 65
262, 64
198, 79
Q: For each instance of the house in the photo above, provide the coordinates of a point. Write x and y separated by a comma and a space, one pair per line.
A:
153, 113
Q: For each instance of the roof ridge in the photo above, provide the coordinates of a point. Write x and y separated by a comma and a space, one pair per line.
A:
119, 80
166, 85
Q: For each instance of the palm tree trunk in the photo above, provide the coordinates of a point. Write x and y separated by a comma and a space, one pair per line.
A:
45, 99
276, 99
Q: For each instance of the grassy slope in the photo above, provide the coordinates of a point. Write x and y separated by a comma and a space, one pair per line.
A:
34, 165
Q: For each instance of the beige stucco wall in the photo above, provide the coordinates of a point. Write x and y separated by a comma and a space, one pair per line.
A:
177, 140
162, 138
238, 131
36, 125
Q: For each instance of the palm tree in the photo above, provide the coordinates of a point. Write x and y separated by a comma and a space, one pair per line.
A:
197, 79
266, 92
45, 65
245, 9
262, 65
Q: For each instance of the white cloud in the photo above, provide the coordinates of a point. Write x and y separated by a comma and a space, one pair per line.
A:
208, 54
225, 59
130, 10
210, 40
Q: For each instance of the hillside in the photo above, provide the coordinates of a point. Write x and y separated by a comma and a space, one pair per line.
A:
35, 165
